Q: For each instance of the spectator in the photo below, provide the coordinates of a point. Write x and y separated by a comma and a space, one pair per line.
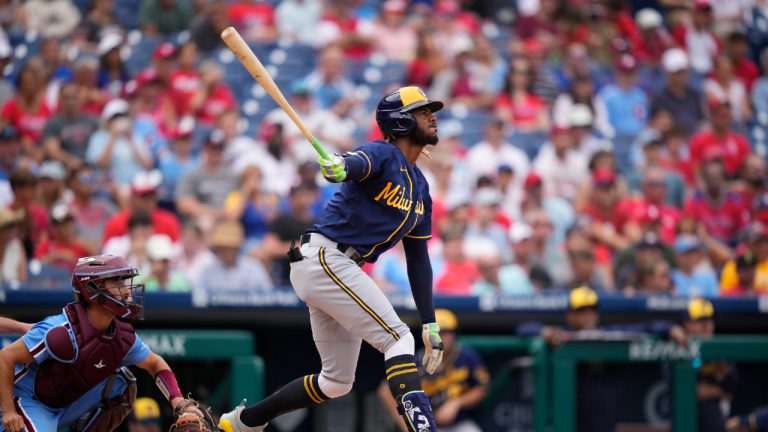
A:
581, 122
340, 26
744, 69
395, 37
496, 278
297, 20
193, 255
756, 241
162, 276
722, 213
659, 124
62, 248
485, 157
203, 190
429, 61
254, 20
144, 196
484, 225
677, 97
329, 86
457, 273
545, 253
625, 102
584, 265
653, 278
28, 111
541, 22
691, 276
13, 266
654, 37
717, 379
133, 245
117, 149
608, 212
85, 76
722, 142
653, 164
457, 387
640, 257
99, 20
213, 96
112, 74
289, 225
184, 81
66, 134
51, 188
677, 157
10, 151
746, 266
576, 66
725, 87
698, 39
163, 17
176, 162
517, 104
230, 271
652, 208
145, 416
91, 212
51, 18
34, 218
152, 106
753, 187
273, 158
254, 208
559, 210
206, 27
560, 167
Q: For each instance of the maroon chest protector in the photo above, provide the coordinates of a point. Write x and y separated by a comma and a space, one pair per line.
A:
81, 357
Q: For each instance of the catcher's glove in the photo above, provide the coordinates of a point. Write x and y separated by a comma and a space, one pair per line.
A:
192, 416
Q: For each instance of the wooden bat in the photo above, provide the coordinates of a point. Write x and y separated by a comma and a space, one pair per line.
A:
248, 58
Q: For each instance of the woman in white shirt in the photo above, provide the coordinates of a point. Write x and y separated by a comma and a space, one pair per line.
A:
724, 86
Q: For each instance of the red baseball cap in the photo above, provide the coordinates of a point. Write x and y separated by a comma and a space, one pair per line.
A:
532, 180
164, 51
603, 177
702, 5
626, 63
651, 215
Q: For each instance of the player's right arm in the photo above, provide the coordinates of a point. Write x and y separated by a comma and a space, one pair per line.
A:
10, 356
8, 326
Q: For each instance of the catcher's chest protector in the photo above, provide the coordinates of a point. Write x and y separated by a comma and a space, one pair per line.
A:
81, 357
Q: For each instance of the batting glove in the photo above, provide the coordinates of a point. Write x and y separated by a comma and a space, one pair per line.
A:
334, 170
433, 347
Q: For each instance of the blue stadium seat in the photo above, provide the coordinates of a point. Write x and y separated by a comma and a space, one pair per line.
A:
529, 142
141, 54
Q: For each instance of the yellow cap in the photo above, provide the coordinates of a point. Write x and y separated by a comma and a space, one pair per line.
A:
582, 297
446, 320
699, 308
145, 409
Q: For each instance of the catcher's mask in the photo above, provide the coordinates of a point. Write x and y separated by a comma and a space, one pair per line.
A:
393, 114
107, 281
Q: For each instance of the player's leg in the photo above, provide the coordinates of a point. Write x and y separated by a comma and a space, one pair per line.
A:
338, 351
103, 407
37, 417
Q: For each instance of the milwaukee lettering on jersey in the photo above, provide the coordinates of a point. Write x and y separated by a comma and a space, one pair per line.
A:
395, 197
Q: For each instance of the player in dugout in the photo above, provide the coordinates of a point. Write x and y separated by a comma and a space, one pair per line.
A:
458, 385
70, 370
599, 384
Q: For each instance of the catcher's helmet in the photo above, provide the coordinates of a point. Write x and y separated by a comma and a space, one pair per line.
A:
88, 284
393, 112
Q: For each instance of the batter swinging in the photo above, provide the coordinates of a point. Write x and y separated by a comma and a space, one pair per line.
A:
384, 199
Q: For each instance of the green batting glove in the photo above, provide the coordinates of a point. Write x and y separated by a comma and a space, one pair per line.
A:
334, 170
433, 347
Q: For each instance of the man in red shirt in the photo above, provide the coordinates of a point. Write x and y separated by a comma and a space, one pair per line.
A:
62, 248
144, 198
721, 142
737, 48
722, 213
607, 211
650, 211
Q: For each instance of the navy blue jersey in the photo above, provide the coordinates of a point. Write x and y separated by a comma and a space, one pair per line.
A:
389, 202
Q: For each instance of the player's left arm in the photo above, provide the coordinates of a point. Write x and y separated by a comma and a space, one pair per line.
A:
8, 326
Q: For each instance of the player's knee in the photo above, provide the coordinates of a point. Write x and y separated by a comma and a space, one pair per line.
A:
333, 389
406, 345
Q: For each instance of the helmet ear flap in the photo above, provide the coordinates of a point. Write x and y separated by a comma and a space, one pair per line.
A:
406, 122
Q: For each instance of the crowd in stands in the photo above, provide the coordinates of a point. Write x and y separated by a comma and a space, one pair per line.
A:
614, 143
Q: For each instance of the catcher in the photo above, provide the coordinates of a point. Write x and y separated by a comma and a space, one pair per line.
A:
71, 369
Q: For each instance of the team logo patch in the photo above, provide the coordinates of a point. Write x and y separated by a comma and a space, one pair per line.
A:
418, 419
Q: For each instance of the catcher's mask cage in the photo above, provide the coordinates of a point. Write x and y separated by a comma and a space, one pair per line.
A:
89, 285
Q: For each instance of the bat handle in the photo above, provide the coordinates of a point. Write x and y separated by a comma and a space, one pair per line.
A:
320, 150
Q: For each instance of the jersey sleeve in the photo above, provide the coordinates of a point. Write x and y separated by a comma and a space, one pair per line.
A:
367, 160
137, 354
34, 339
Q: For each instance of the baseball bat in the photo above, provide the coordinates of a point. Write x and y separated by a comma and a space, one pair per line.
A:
248, 58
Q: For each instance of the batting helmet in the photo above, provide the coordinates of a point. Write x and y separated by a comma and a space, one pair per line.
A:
89, 285
393, 114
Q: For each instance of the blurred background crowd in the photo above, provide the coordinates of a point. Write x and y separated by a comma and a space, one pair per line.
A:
611, 143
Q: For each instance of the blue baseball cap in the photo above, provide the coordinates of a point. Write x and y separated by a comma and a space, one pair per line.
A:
687, 243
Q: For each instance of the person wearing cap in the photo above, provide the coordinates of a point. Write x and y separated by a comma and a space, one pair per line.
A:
456, 387
62, 248
152, 106
561, 168
723, 213
698, 38
91, 211
725, 86
144, 198
483, 224
559, 210
163, 17
162, 275
54, 19
496, 277
213, 96
230, 271
746, 270
654, 37
678, 96
113, 73
176, 162
145, 416
494, 150
691, 276
716, 379
203, 190
625, 102
51, 188
652, 145
116, 149
651, 209
13, 266
755, 250
581, 121
608, 211
721, 142
66, 134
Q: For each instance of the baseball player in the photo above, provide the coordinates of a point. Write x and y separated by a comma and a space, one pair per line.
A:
384, 199
71, 369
